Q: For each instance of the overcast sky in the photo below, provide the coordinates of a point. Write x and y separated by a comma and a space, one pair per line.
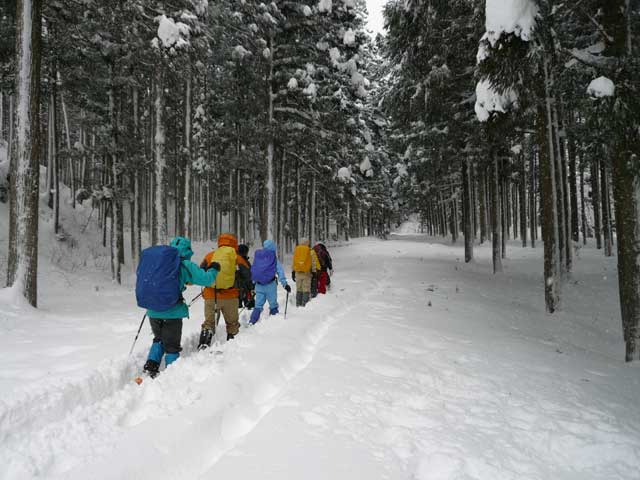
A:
375, 14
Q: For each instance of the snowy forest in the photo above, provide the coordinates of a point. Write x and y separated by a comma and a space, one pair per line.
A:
500, 127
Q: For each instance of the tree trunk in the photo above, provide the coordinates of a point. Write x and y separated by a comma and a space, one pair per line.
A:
116, 205
187, 160
495, 214
548, 202
606, 210
467, 208
159, 198
595, 199
23, 234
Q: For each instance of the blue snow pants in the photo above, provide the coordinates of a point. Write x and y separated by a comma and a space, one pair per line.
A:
265, 293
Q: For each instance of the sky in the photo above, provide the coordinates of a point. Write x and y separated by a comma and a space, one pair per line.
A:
375, 14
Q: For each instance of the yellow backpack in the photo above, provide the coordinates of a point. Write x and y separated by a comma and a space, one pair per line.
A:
226, 257
302, 259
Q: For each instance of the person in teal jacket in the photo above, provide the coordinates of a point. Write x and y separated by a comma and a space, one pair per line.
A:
167, 325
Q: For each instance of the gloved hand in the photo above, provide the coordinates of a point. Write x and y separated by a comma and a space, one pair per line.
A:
293, 275
215, 266
287, 288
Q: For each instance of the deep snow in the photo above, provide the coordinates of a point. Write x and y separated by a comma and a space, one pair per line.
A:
415, 365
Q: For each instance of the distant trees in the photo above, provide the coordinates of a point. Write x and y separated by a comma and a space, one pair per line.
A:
193, 117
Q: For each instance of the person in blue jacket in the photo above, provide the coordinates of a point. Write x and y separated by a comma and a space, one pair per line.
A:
268, 292
167, 325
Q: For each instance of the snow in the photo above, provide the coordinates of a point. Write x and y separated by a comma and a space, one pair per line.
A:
325, 6
293, 83
601, 87
344, 174
510, 16
171, 33
306, 10
311, 90
349, 37
415, 365
239, 52
489, 101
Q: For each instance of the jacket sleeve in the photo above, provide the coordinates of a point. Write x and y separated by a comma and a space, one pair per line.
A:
281, 276
198, 276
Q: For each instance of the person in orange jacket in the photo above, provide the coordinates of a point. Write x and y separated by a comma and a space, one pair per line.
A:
222, 300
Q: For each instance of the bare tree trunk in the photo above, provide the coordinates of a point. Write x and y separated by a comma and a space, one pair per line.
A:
606, 211
549, 200
116, 205
23, 233
159, 200
595, 199
187, 157
467, 209
495, 213
312, 221
583, 204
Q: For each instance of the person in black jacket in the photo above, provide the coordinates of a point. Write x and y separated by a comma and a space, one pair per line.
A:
326, 264
243, 278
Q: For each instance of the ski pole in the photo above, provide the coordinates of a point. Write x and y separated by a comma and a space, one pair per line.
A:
137, 334
286, 305
194, 299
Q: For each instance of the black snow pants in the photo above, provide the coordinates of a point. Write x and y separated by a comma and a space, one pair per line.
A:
169, 332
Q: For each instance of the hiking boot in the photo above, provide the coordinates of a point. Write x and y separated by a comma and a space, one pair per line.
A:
152, 368
274, 311
298, 299
230, 336
206, 336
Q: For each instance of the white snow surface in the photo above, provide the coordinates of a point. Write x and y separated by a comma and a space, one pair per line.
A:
414, 365
325, 6
510, 16
349, 37
601, 87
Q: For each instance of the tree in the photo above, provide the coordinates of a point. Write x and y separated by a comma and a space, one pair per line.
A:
23, 234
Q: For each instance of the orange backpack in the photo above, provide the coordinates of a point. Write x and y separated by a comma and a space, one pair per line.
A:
302, 259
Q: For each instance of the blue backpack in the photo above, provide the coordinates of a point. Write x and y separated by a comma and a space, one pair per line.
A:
158, 278
263, 269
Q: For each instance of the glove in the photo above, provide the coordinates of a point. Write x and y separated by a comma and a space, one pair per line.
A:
287, 288
215, 266
293, 275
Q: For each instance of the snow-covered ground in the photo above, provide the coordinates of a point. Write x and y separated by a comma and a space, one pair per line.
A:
415, 365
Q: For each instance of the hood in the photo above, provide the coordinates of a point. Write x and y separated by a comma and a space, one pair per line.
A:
269, 245
184, 247
243, 250
228, 240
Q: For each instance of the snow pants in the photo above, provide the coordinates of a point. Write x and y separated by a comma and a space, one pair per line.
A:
265, 293
303, 282
323, 279
229, 309
168, 332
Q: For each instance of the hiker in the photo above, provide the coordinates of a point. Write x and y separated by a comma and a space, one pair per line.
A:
303, 268
222, 296
266, 271
316, 274
324, 280
243, 279
159, 267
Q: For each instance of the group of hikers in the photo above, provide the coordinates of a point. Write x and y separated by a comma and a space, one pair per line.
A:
231, 284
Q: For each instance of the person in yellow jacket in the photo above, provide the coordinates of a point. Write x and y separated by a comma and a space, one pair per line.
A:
304, 267
222, 296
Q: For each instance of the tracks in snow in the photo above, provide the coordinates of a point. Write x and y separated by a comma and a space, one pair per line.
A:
62, 428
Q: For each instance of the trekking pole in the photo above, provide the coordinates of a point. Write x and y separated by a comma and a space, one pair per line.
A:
137, 334
195, 298
286, 305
